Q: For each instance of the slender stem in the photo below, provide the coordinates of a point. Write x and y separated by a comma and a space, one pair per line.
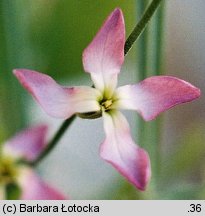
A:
159, 70
141, 45
141, 66
141, 25
54, 141
149, 132
160, 38
128, 44
11, 57
153, 68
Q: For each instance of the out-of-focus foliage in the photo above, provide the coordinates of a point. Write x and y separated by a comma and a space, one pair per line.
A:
182, 171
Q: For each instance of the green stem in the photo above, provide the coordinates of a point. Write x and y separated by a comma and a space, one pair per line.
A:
54, 141
141, 45
12, 39
128, 44
149, 132
141, 25
159, 71
141, 65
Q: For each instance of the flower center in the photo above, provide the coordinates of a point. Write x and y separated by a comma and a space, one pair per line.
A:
8, 170
106, 104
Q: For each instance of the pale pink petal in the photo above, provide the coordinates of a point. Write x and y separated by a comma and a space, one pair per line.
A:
27, 144
120, 150
105, 54
58, 101
155, 95
34, 188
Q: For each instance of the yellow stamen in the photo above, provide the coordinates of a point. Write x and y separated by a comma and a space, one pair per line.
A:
106, 104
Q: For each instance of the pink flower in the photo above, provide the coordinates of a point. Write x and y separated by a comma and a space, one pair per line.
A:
26, 145
103, 59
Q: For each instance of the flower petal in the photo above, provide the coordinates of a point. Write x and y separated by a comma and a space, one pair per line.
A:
105, 54
155, 95
34, 188
120, 150
58, 101
27, 144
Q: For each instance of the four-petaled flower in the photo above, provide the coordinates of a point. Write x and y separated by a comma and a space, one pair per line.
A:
25, 146
103, 59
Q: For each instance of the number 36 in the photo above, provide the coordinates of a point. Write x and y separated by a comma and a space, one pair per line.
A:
195, 208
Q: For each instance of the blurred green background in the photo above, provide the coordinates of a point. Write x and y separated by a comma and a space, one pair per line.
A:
50, 35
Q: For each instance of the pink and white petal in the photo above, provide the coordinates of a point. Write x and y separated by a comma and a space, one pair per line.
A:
58, 101
34, 188
105, 54
27, 144
155, 95
120, 150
